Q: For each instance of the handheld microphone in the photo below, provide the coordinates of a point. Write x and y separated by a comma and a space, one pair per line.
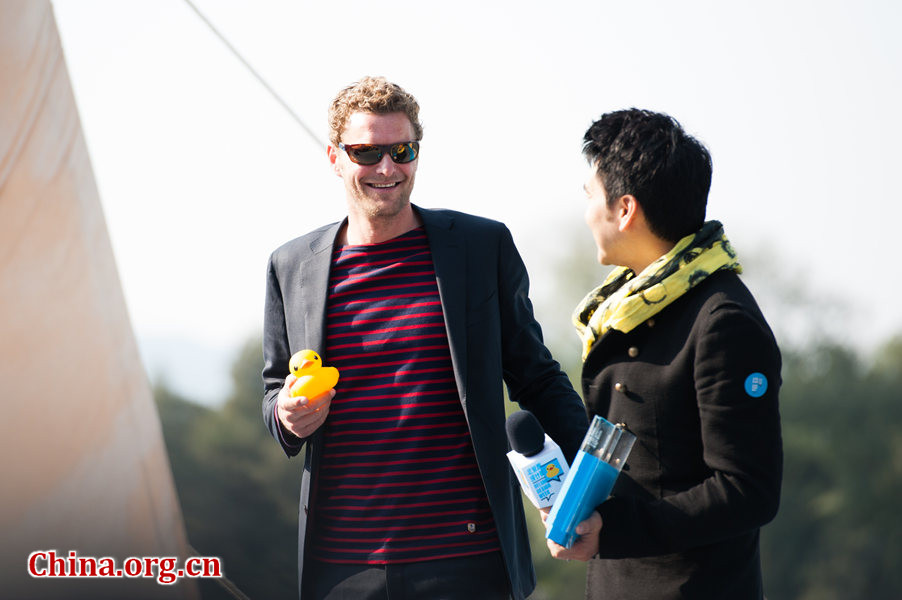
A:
595, 469
537, 460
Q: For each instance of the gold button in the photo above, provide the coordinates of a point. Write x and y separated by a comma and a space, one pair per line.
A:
471, 527
620, 387
633, 352
651, 322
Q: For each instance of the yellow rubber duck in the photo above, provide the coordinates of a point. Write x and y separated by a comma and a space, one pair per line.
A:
313, 379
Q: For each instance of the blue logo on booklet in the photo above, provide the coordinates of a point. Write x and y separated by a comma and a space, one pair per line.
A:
756, 385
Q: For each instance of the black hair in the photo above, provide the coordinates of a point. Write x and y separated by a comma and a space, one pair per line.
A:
649, 156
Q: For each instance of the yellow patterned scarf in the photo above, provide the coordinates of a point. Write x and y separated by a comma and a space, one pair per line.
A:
625, 299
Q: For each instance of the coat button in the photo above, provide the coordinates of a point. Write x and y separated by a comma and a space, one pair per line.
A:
651, 322
633, 352
620, 387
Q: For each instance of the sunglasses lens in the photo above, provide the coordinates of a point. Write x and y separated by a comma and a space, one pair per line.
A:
364, 154
404, 153
371, 154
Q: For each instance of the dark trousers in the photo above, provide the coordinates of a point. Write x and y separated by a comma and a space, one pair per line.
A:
478, 577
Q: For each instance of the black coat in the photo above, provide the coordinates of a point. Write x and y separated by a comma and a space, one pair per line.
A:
493, 337
705, 472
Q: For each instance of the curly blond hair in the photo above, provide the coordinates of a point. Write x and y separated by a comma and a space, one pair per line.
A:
373, 95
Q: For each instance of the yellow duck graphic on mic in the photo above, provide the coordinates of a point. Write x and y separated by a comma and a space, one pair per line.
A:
313, 378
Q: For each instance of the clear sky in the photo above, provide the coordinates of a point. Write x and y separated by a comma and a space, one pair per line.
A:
202, 174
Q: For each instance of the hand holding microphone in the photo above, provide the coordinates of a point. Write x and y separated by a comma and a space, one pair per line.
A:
538, 462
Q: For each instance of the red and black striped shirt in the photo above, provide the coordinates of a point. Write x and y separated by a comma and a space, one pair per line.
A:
398, 480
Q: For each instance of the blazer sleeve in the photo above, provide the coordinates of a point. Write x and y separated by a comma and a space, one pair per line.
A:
534, 379
741, 445
276, 355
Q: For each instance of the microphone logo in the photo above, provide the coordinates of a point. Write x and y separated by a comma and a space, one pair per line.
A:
543, 476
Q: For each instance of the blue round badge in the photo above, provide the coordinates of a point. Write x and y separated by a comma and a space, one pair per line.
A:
756, 385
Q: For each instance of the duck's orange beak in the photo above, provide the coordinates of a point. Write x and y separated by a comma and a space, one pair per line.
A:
305, 364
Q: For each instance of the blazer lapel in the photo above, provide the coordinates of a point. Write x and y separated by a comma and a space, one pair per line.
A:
449, 259
314, 286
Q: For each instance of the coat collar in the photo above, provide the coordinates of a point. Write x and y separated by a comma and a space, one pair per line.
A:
314, 284
450, 260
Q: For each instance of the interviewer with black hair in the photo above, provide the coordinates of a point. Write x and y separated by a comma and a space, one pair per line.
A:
674, 346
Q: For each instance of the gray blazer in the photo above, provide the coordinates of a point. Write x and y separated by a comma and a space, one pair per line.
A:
493, 336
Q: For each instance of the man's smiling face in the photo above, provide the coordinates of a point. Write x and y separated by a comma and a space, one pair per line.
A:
379, 191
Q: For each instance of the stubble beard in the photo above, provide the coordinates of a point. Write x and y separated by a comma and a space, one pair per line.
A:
385, 210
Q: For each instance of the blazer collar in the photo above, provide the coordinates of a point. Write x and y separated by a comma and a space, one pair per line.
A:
450, 259
314, 284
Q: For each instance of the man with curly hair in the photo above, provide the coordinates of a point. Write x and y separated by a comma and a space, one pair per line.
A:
406, 490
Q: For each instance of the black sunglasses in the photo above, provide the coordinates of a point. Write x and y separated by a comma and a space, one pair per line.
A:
371, 154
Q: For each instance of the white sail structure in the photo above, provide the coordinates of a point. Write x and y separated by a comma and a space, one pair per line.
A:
83, 466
